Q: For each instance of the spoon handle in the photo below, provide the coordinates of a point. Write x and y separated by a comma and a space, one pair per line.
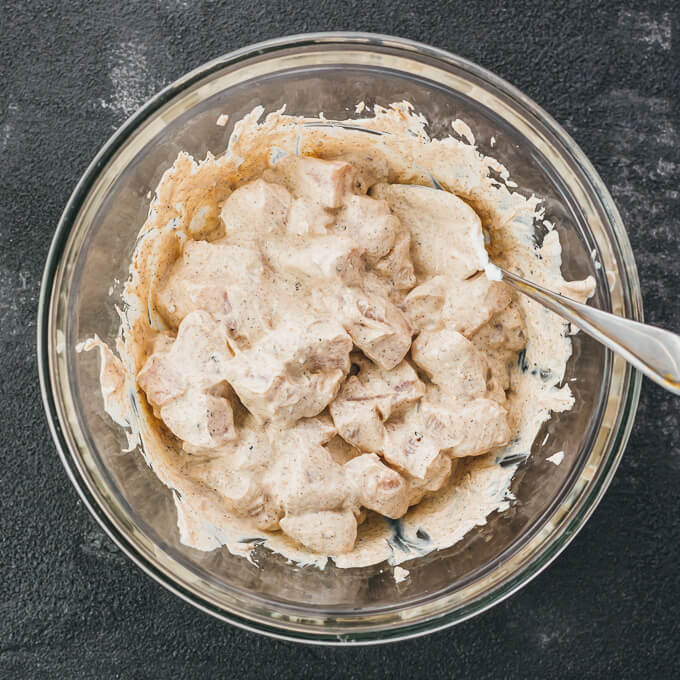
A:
652, 350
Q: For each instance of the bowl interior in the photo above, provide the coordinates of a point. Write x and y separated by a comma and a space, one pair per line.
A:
98, 256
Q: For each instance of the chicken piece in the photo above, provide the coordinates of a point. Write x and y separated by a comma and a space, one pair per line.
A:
160, 380
472, 302
410, 448
466, 428
375, 285
394, 389
371, 397
196, 358
201, 350
423, 305
389, 390
184, 382
294, 372
369, 223
378, 487
368, 170
255, 209
326, 532
377, 326
451, 361
446, 233
226, 280
357, 418
323, 182
396, 266
505, 331
306, 218
323, 258
236, 472
498, 376
440, 471
203, 421
462, 306
306, 479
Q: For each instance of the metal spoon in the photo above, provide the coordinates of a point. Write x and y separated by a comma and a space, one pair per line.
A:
652, 350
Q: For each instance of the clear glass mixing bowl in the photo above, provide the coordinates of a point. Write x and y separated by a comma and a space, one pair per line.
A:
89, 259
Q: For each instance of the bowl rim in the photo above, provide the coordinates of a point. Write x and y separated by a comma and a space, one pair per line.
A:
631, 382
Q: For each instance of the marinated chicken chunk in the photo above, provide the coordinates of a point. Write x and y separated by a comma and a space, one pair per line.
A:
466, 428
327, 532
293, 372
378, 328
396, 266
184, 381
369, 398
446, 233
452, 362
258, 208
461, 305
378, 487
370, 223
219, 278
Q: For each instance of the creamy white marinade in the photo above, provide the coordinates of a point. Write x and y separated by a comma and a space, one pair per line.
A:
316, 353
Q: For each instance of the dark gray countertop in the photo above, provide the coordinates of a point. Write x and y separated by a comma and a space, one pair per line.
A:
71, 606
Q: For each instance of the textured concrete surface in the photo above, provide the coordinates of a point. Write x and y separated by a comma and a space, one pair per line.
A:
71, 606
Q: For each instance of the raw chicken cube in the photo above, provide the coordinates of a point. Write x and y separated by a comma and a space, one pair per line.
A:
446, 233
312, 431
437, 475
203, 421
322, 182
307, 479
370, 223
396, 266
498, 377
504, 331
221, 279
256, 208
236, 472
388, 390
294, 372
358, 420
424, 304
466, 428
371, 397
327, 533
463, 306
472, 302
410, 448
341, 451
379, 488
377, 327
160, 380
451, 361
306, 218
197, 357
201, 351
399, 387
324, 258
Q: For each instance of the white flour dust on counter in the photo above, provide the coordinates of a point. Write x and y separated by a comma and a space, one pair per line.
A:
315, 350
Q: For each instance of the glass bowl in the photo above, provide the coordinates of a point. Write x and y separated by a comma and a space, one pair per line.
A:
89, 259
